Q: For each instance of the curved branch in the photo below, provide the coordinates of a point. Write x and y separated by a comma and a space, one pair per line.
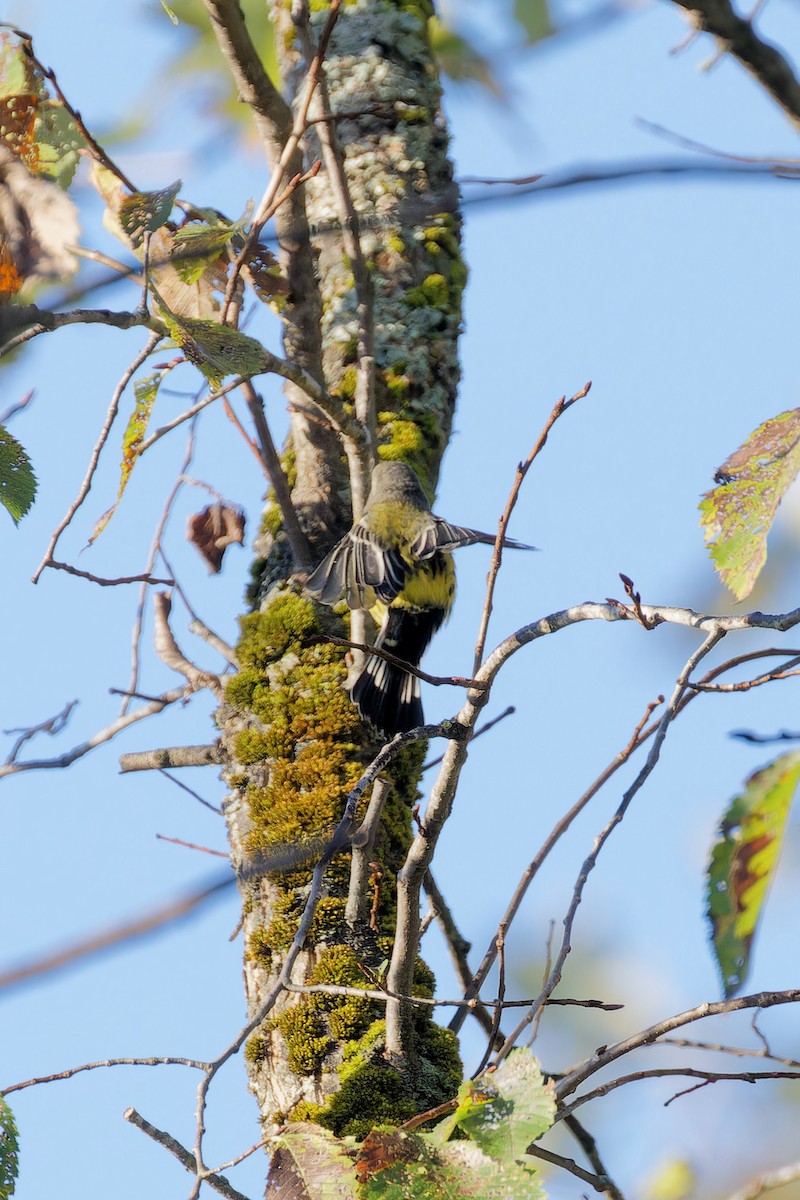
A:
765, 62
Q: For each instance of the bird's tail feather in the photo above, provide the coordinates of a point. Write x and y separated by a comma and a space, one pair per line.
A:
385, 694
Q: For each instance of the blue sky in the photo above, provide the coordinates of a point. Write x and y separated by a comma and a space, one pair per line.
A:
678, 299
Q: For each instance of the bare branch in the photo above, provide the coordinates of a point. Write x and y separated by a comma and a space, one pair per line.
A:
52, 725
298, 543
363, 843
598, 1182
106, 1062
559, 409
611, 1085
769, 1180
113, 408
608, 1054
670, 713
735, 35
218, 1182
561, 826
184, 787
156, 705
171, 756
171, 655
97, 943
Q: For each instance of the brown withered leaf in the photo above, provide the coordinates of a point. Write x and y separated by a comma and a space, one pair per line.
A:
213, 530
38, 222
381, 1149
265, 274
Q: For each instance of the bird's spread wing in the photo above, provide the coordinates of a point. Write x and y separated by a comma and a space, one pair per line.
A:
359, 563
441, 535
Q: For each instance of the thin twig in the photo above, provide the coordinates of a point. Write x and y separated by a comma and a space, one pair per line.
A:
298, 543
736, 36
53, 725
185, 787
156, 705
561, 826
97, 943
670, 713
218, 1182
609, 1054
113, 408
559, 409
106, 1062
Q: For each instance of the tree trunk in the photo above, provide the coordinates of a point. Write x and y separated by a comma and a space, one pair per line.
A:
383, 331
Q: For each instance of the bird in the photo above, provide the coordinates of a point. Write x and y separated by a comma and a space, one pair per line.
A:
396, 563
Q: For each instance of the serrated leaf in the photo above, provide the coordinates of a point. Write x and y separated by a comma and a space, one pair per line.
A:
217, 350
534, 19
743, 863
145, 212
9, 1151
197, 243
737, 515
395, 1165
479, 1177
521, 1109
311, 1164
145, 391
17, 480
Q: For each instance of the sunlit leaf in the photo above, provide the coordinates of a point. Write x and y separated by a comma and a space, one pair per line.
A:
738, 513
743, 863
534, 19
215, 349
396, 1165
145, 391
170, 13
145, 212
17, 480
310, 1163
505, 1111
9, 1151
35, 126
195, 244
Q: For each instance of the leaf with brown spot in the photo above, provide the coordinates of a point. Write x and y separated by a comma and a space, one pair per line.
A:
213, 530
743, 863
737, 515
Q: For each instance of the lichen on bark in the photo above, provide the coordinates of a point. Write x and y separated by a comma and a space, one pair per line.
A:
294, 742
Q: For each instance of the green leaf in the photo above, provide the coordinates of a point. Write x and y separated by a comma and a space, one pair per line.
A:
737, 515
169, 12
145, 391
197, 242
145, 212
460, 60
9, 1151
215, 349
743, 862
396, 1165
17, 480
310, 1161
478, 1177
534, 19
58, 141
505, 1111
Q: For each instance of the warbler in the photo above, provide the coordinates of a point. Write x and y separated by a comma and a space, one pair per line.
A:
396, 563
